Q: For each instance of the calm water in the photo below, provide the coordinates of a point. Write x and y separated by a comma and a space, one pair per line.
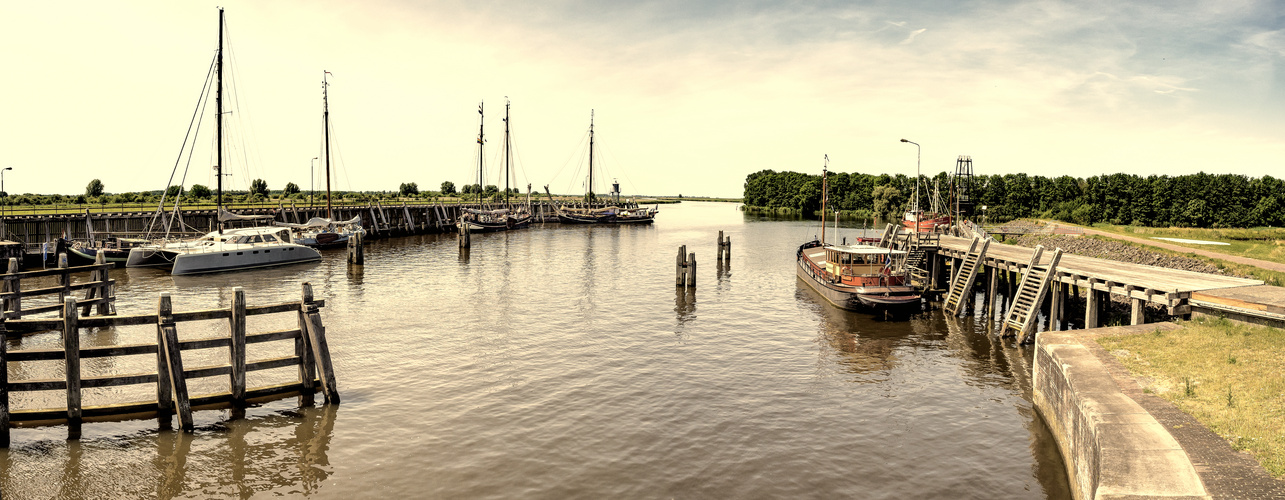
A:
560, 362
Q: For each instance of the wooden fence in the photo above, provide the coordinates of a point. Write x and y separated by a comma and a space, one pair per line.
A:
311, 356
99, 290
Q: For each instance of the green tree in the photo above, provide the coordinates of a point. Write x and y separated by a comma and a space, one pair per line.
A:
448, 188
199, 191
259, 187
409, 189
291, 189
95, 188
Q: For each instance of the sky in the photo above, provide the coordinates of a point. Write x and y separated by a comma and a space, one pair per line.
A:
688, 96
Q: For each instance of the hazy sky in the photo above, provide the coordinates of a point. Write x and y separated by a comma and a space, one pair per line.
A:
690, 96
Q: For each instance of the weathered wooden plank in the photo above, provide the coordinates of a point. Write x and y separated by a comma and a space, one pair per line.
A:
4, 388
118, 380
255, 338
270, 363
174, 361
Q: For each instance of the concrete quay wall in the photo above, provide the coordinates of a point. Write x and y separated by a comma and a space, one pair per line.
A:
1113, 448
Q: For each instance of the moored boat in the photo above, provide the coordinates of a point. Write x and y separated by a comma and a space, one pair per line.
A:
855, 277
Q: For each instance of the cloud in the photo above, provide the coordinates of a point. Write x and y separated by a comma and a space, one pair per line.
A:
912, 36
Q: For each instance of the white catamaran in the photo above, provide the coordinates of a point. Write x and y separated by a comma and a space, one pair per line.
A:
223, 249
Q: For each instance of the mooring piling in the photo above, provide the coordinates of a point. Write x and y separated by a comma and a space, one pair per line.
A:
464, 237
724, 248
685, 268
356, 253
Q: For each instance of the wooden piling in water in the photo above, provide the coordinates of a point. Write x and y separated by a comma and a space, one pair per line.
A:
71, 349
464, 237
167, 331
724, 248
316, 339
4, 387
356, 252
13, 284
680, 267
691, 271
237, 349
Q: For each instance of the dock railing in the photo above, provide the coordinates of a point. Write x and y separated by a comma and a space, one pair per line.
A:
311, 356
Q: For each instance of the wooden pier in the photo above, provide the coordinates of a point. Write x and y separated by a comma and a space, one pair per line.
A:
1100, 279
311, 357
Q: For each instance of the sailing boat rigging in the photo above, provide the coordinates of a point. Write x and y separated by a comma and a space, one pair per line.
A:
319, 232
606, 214
223, 249
479, 220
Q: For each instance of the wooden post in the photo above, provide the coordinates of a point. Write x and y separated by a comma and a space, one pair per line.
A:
4, 388
1055, 306
691, 270
1138, 315
320, 349
356, 251
719, 257
71, 349
64, 279
1091, 306
990, 293
168, 332
302, 349
680, 267
237, 350
14, 286
727, 249
464, 236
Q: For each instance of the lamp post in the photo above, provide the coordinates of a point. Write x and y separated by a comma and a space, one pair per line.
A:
312, 184
918, 155
983, 215
2, 180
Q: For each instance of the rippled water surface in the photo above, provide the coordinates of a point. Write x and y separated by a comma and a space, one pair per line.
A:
560, 362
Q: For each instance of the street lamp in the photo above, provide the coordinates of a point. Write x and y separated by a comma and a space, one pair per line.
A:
312, 184
2, 180
983, 215
918, 155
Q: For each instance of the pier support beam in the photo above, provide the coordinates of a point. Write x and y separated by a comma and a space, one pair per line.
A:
990, 294
1138, 316
1092, 307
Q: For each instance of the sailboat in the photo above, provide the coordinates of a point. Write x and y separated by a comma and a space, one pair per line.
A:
608, 214
223, 249
481, 221
325, 232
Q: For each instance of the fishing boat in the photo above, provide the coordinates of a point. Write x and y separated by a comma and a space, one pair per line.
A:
223, 249
325, 232
113, 249
608, 214
857, 277
503, 219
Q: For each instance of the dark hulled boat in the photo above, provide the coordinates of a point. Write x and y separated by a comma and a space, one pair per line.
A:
857, 277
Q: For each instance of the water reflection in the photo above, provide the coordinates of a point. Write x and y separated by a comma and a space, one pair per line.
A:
281, 453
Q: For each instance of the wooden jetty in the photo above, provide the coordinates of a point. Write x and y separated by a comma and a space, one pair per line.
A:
1057, 276
311, 357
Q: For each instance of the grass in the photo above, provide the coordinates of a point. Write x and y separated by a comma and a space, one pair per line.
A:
1229, 376
1263, 243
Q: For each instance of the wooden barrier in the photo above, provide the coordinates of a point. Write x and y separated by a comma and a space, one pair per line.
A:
312, 355
99, 289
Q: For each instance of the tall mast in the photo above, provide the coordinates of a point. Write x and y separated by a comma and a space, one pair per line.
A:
218, 114
508, 154
325, 126
824, 191
481, 138
590, 190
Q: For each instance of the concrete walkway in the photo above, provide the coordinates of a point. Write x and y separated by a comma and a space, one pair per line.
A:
1225, 472
1265, 264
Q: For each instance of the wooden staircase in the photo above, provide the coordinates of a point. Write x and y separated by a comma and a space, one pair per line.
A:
1020, 319
967, 274
917, 265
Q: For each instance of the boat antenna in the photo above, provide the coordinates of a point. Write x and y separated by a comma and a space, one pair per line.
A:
218, 114
325, 127
824, 170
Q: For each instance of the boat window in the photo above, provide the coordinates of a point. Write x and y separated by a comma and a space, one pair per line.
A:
256, 239
269, 238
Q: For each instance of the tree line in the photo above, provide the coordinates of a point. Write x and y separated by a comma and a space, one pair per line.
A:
95, 194
1197, 200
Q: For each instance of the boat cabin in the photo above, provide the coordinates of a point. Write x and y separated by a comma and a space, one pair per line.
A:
862, 260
